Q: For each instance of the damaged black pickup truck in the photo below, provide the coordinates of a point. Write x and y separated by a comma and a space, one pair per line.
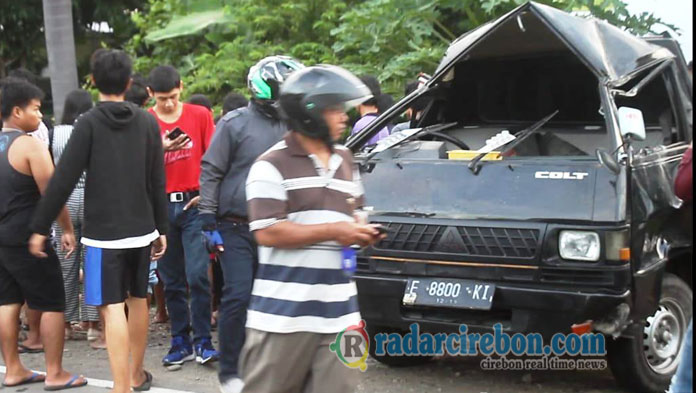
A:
569, 219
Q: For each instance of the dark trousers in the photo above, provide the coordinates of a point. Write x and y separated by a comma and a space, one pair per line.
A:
217, 283
186, 264
239, 262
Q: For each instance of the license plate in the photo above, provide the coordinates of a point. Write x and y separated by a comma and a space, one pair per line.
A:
449, 293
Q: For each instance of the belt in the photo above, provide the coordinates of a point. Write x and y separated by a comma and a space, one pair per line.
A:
182, 196
237, 219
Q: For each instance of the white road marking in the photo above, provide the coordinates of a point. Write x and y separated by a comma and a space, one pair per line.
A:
101, 383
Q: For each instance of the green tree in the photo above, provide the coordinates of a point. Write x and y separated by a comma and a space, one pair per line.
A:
213, 43
214, 57
396, 39
22, 41
23, 37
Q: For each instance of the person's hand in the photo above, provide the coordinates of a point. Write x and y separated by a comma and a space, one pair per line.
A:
192, 203
213, 242
37, 243
349, 233
178, 143
211, 236
159, 247
68, 243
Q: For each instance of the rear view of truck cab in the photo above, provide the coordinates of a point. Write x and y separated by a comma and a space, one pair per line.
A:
572, 220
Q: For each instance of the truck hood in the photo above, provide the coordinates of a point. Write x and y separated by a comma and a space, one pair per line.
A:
539, 190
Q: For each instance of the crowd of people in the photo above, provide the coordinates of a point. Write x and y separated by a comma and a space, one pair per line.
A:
240, 221
243, 222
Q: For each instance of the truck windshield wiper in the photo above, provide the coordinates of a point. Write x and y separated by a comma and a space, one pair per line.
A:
400, 139
404, 214
475, 165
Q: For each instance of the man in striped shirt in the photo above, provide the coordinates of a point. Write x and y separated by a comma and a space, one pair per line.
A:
301, 196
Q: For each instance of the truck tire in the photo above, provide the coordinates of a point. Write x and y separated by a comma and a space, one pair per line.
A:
392, 361
646, 360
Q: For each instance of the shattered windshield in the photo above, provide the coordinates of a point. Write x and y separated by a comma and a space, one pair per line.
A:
487, 99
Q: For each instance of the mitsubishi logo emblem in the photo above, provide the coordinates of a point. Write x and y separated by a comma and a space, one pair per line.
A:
451, 242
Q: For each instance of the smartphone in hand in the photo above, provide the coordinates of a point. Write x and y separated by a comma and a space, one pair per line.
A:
175, 133
382, 230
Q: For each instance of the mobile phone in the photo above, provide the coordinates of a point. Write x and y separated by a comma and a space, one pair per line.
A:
175, 133
382, 230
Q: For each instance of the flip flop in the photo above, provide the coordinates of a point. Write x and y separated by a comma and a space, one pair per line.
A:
145, 385
34, 378
24, 349
68, 385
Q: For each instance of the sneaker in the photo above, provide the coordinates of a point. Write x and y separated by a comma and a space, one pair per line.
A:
180, 352
232, 385
205, 352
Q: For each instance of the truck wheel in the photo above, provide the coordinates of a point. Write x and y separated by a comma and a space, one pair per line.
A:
393, 361
646, 360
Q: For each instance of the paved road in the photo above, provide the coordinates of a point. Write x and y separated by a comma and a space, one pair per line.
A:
446, 375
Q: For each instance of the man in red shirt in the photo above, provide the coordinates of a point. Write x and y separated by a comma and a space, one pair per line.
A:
186, 132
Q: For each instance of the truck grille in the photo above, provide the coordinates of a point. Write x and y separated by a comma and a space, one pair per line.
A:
461, 240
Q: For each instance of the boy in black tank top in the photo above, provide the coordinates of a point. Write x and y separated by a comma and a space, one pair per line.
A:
25, 169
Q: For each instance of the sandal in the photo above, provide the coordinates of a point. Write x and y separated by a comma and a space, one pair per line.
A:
24, 349
69, 385
33, 378
145, 385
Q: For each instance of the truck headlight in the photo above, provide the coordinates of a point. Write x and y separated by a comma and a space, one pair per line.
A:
579, 245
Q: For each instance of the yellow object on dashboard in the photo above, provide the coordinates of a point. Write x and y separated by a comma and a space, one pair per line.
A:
471, 154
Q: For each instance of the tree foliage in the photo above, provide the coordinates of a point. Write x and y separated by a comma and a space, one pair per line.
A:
22, 40
392, 39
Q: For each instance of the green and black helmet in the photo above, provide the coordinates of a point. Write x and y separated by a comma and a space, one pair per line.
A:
266, 76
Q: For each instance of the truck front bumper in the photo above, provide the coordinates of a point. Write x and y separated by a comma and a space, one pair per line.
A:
523, 309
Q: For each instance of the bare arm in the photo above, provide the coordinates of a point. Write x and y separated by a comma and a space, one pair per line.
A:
41, 167
286, 234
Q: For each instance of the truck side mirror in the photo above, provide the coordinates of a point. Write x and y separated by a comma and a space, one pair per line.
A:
631, 123
608, 161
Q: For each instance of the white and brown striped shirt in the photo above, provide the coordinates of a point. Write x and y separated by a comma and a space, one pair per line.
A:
302, 289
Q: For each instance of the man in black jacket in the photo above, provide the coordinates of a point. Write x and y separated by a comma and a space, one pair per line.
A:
125, 212
240, 137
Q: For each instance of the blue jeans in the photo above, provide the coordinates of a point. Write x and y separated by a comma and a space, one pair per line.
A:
238, 262
186, 262
683, 380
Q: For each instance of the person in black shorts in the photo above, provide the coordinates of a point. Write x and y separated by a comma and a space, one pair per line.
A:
125, 212
25, 170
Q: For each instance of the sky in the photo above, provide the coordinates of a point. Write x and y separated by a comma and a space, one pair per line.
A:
676, 12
